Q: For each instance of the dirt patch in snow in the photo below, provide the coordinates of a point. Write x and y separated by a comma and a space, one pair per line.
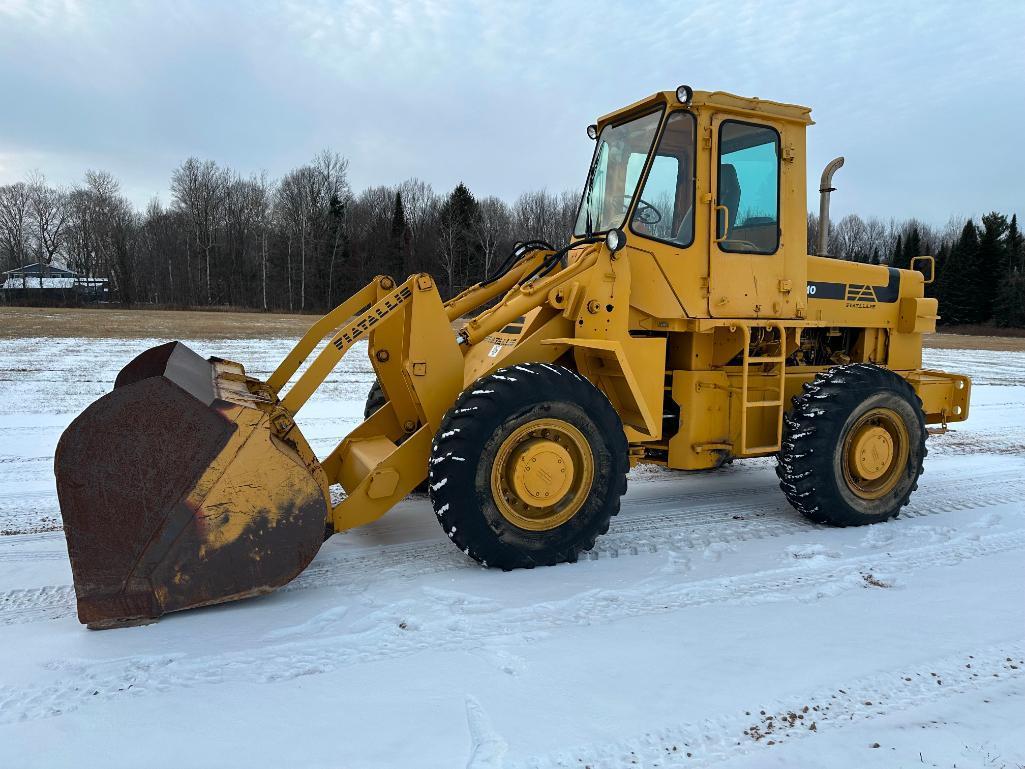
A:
96, 323
953, 341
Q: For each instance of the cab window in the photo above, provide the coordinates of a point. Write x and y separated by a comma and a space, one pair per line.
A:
665, 210
748, 188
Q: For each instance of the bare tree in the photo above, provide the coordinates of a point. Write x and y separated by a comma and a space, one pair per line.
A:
262, 198
15, 213
103, 233
876, 243
245, 207
304, 203
368, 224
492, 228
569, 202
422, 206
539, 215
449, 236
851, 239
813, 232
50, 217
199, 189
89, 213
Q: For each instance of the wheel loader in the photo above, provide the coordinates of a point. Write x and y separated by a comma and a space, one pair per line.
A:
684, 324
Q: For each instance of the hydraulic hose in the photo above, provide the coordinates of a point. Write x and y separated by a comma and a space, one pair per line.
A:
514, 256
549, 263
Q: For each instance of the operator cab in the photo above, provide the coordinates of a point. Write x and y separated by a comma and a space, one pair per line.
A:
701, 173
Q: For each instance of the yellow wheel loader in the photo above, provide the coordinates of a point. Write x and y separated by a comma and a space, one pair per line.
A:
684, 325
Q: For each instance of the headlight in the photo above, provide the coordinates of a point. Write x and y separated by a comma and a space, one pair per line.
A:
615, 240
592, 131
684, 94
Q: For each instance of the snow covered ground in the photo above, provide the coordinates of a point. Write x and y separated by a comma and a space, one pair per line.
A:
711, 626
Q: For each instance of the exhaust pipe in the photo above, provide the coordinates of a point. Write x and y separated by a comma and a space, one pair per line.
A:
825, 187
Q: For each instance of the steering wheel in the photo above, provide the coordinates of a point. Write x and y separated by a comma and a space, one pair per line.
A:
645, 213
742, 244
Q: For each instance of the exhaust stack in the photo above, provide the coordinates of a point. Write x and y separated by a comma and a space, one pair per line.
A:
825, 187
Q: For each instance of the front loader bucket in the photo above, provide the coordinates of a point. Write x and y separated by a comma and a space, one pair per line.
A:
186, 485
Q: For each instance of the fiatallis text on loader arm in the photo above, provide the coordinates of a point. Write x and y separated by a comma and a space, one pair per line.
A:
684, 324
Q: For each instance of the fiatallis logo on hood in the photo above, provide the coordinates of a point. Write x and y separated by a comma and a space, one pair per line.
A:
857, 294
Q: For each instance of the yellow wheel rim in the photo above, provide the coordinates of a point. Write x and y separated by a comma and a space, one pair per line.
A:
542, 474
875, 453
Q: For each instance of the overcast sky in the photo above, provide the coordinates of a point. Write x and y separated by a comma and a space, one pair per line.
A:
926, 100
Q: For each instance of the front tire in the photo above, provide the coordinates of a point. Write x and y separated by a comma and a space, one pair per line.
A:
528, 467
853, 446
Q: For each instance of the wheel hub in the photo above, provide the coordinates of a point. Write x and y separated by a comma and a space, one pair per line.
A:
873, 452
542, 474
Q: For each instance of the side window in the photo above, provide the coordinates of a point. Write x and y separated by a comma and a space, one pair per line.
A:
665, 210
748, 187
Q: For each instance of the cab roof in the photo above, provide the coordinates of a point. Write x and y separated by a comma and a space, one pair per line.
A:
728, 102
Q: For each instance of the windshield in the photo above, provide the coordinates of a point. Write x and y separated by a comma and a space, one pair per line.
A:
616, 169
665, 208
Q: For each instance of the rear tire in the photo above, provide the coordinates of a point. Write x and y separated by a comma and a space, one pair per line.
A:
528, 467
853, 446
375, 399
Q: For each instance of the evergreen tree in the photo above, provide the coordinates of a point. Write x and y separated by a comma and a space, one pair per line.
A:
398, 241
1015, 262
334, 284
875, 255
897, 255
912, 248
959, 302
992, 261
459, 252
1009, 306
935, 289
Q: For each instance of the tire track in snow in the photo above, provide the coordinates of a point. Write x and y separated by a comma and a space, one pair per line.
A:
798, 716
35, 511
722, 522
454, 621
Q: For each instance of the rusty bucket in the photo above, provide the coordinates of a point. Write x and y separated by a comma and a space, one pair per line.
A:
187, 485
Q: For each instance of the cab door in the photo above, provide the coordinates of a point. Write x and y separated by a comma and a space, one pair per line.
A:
746, 254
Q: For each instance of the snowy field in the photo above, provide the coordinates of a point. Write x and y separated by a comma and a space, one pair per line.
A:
711, 626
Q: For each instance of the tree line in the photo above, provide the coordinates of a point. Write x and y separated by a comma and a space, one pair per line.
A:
304, 242
300, 243
979, 271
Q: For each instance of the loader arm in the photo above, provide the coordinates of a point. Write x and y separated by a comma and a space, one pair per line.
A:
419, 362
